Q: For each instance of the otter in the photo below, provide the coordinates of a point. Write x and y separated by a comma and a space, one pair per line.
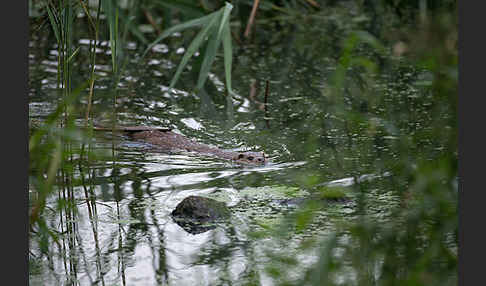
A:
168, 140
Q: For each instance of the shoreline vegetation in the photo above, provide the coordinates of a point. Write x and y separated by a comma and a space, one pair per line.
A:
348, 87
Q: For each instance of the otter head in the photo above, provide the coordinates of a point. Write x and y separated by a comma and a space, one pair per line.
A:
256, 158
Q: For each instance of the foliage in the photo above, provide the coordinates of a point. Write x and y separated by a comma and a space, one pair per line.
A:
413, 134
216, 29
419, 246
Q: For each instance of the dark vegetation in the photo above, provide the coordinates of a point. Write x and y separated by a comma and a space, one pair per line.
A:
388, 105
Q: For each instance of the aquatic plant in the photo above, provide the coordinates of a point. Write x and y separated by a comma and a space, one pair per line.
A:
346, 122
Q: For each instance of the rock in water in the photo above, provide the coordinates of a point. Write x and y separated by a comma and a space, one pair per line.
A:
199, 214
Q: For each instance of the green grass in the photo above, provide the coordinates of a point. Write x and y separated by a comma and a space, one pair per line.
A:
215, 29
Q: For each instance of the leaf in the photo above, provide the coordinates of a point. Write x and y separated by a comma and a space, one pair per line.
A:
111, 10
52, 19
128, 19
73, 54
209, 56
213, 47
228, 56
189, 24
217, 34
193, 47
136, 32
225, 19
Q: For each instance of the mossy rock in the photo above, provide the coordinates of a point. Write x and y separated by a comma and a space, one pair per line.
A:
197, 214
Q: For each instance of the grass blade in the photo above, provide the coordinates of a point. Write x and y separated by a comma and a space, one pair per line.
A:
213, 45
228, 56
136, 32
73, 54
128, 17
209, 55
195, 44
111, 11
52, 19
189, 24
225, 19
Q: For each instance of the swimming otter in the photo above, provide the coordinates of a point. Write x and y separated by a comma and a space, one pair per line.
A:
168, 140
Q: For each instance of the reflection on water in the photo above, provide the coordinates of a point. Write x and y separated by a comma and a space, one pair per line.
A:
132, 239
112, 217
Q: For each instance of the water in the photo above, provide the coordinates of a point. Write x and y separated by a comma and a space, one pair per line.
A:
121, 231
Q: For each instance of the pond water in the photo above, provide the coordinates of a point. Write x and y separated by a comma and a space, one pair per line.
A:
121, 232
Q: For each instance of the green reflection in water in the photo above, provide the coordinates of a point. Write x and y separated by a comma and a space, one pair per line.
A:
342, 110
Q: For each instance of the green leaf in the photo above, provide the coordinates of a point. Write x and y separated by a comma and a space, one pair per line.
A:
128, 19
111, 10
228, 56
210, 54
73, 54
136, 32
217, 33
213, 46
193, 47
52, 19
189, 24
225, 20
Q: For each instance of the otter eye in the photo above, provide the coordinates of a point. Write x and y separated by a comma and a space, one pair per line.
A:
259, 159
250, 158
241, 156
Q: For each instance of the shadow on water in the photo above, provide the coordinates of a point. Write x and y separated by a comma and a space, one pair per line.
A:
346, 126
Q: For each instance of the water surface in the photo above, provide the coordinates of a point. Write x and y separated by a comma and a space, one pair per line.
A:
121, 231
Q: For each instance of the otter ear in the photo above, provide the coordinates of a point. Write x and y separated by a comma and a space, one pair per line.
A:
240, 156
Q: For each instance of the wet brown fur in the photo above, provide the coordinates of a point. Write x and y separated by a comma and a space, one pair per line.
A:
168, 140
